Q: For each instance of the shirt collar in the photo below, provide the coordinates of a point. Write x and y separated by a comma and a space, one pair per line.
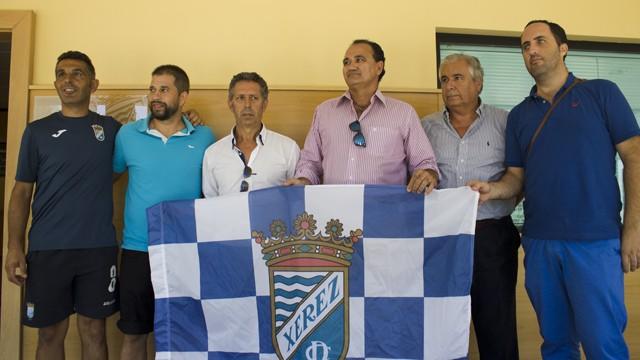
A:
262, 135
479, 111
143, 125
570, 78
346, 98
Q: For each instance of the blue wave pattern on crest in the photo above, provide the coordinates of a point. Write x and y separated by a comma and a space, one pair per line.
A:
297, 280
289, 291
297, 293
287, 307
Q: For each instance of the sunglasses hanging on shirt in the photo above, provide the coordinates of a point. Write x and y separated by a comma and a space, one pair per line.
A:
246, 172
358, 138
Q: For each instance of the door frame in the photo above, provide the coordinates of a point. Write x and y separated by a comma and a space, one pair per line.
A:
20, 23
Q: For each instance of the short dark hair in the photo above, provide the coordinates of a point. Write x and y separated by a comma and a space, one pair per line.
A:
77, 55
378, 53
180, 76
558, 32
249, 76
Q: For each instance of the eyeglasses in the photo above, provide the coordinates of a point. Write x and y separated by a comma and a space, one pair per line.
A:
358, 138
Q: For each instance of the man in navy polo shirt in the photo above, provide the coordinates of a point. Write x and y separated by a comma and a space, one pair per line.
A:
163, 156
576, 248
72, 245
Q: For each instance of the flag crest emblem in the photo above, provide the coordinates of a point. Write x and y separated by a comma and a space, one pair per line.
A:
309, 290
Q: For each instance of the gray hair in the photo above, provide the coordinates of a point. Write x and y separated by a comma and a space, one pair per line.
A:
475, 69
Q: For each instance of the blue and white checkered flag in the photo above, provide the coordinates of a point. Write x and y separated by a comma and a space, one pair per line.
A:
315, 272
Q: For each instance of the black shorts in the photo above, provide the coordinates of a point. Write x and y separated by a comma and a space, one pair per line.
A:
136, 293
61, 282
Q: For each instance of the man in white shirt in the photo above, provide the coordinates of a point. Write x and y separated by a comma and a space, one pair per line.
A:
251, 157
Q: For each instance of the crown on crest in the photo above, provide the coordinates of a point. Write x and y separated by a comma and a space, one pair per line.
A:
305, 242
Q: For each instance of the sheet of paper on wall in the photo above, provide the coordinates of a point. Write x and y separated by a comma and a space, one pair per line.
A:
141, 111
45, 105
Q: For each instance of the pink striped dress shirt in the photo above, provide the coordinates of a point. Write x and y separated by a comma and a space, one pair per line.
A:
396, 144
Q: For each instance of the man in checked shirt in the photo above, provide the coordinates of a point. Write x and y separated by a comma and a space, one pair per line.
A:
469, 140
364, 137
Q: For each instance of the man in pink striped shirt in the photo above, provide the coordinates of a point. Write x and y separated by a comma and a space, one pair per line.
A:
364, 137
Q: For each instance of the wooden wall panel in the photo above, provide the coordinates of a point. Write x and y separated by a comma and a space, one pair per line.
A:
289, 111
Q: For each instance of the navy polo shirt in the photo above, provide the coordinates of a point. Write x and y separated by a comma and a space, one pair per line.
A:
69, 160
570, 187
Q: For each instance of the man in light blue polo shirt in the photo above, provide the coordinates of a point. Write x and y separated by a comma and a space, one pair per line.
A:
163, 155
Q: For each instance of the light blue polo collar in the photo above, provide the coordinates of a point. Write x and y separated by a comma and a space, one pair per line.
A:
143, 125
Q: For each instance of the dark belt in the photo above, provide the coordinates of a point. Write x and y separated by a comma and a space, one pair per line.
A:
492, 222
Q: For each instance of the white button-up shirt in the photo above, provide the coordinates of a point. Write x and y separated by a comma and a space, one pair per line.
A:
272, 162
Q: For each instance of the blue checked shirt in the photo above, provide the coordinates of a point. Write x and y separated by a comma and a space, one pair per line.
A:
478, 155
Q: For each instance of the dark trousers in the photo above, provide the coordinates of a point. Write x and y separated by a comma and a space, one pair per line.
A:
493, 291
